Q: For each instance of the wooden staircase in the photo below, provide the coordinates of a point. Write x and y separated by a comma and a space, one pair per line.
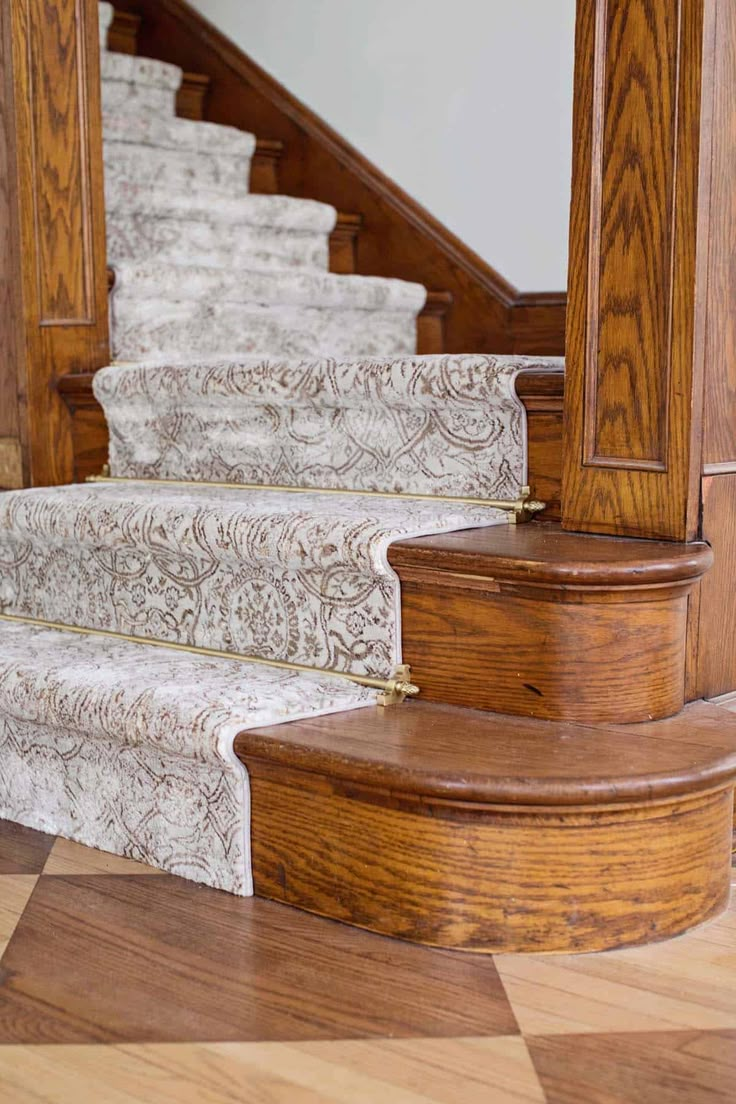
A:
551, 790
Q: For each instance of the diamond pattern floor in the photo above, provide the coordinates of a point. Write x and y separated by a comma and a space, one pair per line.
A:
121, 984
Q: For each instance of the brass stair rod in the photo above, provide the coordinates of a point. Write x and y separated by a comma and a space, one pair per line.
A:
394, 689
523, 508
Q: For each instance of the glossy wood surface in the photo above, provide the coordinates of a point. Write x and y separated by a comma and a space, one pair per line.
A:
714, 622
638, 251
543, 623
405, 823
719, 446
400, 238
54, 297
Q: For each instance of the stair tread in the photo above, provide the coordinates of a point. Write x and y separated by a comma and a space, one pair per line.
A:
133, 69
454, 753
177, 134
281, 212
544, 552
168, 697
154, 280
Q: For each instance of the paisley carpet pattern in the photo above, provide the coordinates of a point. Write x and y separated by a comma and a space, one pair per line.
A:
226, 309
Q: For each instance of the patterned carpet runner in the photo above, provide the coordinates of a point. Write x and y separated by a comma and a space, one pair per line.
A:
127, 746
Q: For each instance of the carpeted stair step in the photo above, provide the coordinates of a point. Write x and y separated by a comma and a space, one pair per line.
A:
439, 425
192, 310
131, 85
287, 576
129, 747
203, 159
257, 232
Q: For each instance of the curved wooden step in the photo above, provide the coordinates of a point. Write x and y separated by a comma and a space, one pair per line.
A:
536, 621
482, 832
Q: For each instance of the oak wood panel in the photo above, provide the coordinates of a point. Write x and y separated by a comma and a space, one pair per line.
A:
719, 446
403, 821
57, 215
400, 238
715, 630
559, 659
635, 326
12, 423
535, 621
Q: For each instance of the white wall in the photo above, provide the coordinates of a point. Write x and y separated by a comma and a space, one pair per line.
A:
465, 103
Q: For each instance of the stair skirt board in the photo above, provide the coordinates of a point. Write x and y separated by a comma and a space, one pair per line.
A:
129, 748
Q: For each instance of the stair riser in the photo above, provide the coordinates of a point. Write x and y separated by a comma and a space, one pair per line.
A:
183, 241
142, 328
132, 169
126, 98
491, 879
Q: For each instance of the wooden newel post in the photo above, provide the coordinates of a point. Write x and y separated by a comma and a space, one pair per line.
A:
53, 290
652, 282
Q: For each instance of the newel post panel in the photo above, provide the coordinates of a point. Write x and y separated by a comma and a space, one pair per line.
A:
53, 289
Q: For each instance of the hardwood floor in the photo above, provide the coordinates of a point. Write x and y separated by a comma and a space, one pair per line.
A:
121, 984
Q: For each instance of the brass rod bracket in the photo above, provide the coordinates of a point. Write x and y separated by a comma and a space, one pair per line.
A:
525, 507
398, 687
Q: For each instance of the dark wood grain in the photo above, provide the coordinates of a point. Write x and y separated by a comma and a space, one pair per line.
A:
715, 630
122, 34
12, 372
400, 238
635, 333
56, 262
712, 665
449, 827
157, 959
446, 753
652, 1067
535, 621
23, 850
719, 447
344, 243
432, 321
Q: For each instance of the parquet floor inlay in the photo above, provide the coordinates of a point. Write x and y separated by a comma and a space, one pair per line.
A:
124, 985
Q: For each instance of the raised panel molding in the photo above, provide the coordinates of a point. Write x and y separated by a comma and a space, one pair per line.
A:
629, 316
57, 69
638, 251
53, 306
